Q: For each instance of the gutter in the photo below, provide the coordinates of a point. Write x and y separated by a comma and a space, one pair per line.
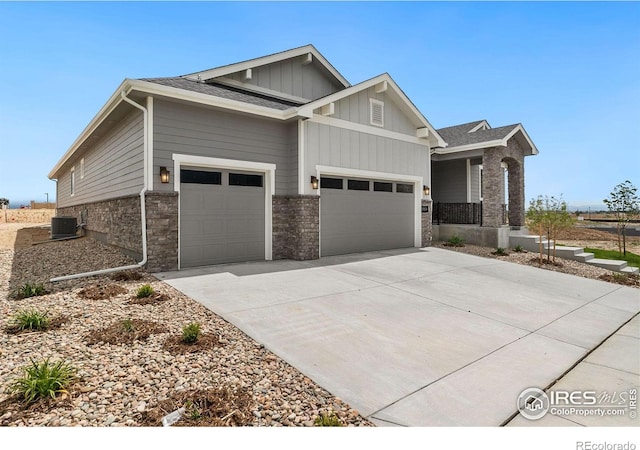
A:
143, 212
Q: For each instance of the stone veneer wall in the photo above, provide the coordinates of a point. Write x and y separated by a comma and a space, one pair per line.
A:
427, 223
296, 227
162, 231
114, 222
117, 222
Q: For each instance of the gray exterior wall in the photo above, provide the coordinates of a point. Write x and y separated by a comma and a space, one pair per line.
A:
193, 130
355, 108
291, 77
331, 146
113, 167
449, 181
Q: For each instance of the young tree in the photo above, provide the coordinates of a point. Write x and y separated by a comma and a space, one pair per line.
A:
624, 203
548, 216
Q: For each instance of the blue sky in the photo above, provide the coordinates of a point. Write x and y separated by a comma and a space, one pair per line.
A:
570, 72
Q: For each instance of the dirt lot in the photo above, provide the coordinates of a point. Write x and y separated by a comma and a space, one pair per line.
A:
22, 216
586, 237
21, 235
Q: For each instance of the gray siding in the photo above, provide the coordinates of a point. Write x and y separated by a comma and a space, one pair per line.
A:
355, 108
291, 77
449, 181
113, 165
193, 130
331, 146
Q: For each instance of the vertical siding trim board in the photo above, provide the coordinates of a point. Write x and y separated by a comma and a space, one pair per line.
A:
269, 171
417, 182
301, 150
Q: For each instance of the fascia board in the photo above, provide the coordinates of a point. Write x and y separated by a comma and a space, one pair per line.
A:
104, 112
270, 59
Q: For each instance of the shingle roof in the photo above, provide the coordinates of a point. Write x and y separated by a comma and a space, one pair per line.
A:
459, 134
222, 91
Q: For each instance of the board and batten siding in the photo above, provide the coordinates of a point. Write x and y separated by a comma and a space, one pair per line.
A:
339, 147
449, 181
475, 182
192, 130
293, 78
355, 108
113, 166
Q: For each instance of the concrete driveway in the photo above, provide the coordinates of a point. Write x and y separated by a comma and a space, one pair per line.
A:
417, 337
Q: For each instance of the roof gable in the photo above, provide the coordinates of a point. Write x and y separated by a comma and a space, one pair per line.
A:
262, 67
479, 134
381, 83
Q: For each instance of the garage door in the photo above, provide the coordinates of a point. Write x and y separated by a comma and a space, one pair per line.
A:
222, 216
358, 215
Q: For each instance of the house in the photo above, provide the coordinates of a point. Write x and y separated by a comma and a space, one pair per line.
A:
278, 157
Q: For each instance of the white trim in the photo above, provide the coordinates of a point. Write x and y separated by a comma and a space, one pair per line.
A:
261, 90
382, 87
372, 104
377, 131
480, 169
328, 109
417, 181
82, 168
72, 181
301, 153
482, 125
149, 131
247, 75
269, 59
495, 143
403, 102
468, 180
269, 171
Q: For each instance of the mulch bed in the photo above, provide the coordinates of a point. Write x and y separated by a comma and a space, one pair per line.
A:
117, 333
102, 291
151, 300
220, 407
546, 262
625, 279
54, 323
176, 346
19, 409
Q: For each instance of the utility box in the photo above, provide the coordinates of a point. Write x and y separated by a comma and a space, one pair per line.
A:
63, 227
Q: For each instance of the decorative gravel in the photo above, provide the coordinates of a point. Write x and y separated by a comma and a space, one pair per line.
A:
121, 384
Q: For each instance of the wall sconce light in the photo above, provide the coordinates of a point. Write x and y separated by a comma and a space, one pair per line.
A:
426, 190
164, 175
314, 182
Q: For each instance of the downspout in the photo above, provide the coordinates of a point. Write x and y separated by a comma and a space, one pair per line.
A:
143, 213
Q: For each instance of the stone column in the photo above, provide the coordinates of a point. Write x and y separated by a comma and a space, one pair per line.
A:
162, 231
516, 193
427, 222
492, 187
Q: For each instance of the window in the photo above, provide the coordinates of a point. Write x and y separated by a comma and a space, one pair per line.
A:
382, 187
242, 179
376, 112
73, 180
82, 168
200, 177
331, 183
358, 185
404, 188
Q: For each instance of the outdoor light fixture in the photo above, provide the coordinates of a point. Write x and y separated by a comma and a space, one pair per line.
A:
314, 182
426, 190
164, 175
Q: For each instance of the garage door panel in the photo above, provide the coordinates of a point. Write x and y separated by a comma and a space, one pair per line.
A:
220, 223
356, 221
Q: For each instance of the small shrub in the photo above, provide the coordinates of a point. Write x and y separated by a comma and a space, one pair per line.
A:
31, 319
30, 290
327, 420
144, 291
500, 252
191, 333
127, 325
518, 249
43, 380
456, 241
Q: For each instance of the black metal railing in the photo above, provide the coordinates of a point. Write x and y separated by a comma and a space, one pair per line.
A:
457, 213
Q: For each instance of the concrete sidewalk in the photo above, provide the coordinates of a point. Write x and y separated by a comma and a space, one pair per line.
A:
417, 338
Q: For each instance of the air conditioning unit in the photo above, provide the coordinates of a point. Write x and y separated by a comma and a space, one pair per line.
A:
63, 227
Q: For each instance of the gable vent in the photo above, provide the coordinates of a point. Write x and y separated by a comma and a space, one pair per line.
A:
376, 112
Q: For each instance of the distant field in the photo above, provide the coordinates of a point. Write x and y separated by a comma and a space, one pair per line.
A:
27, 215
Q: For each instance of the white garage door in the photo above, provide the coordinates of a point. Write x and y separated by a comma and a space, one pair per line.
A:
222, 216
358, 215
